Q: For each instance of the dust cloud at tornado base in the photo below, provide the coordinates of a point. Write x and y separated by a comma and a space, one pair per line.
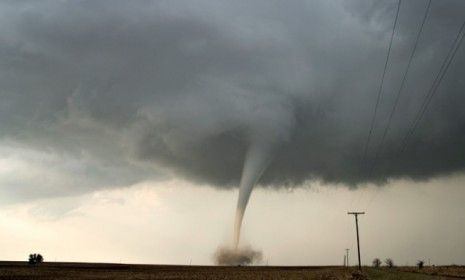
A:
237, 256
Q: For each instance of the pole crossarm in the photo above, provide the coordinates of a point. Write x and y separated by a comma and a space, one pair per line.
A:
355, 213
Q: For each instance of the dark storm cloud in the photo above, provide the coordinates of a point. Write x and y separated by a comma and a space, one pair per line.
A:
185, 86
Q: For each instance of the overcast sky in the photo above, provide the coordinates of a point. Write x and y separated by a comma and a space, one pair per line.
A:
124, 127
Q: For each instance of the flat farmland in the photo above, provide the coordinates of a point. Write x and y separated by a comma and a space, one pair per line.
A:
49, 271
73, 271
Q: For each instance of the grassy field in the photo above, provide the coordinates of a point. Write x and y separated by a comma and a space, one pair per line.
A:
449, 270
49, 271
403, 274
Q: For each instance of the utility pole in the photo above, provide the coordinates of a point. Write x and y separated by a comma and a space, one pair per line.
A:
358, 239
347, 256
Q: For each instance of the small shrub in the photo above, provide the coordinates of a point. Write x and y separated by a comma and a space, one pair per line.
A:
376, 262
389, 263
420, 264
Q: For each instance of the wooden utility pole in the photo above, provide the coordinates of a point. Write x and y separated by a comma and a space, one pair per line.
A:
358, 239
347, 256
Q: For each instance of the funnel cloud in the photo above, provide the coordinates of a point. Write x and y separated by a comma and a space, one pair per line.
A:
256, 160
280, 92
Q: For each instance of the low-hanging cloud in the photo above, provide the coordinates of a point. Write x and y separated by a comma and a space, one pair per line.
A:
186, 88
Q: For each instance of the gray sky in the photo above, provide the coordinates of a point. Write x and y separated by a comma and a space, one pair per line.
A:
106, 106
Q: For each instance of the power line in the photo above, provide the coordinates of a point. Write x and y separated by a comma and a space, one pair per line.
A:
380, 89
402, 84
435, 85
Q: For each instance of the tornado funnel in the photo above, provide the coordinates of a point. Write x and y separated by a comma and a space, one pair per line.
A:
256, 160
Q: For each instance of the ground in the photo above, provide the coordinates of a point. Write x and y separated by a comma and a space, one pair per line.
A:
410, 273
72, 271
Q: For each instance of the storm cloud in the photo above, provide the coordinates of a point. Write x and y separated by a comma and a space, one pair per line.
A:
180, 88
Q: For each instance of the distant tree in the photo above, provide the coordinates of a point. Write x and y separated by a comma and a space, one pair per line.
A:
35, 258
389, 262
32, 259
39, 258
376, 262
420, 264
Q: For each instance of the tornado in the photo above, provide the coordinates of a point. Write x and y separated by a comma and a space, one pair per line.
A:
256, 160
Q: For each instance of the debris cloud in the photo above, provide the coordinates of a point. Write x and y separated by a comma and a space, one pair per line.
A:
237, 256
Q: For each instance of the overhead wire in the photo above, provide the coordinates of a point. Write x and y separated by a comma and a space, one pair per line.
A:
402, 84
434, 86
380, 88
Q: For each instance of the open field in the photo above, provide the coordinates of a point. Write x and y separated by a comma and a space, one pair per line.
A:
456, 271
410, 273
49, 271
